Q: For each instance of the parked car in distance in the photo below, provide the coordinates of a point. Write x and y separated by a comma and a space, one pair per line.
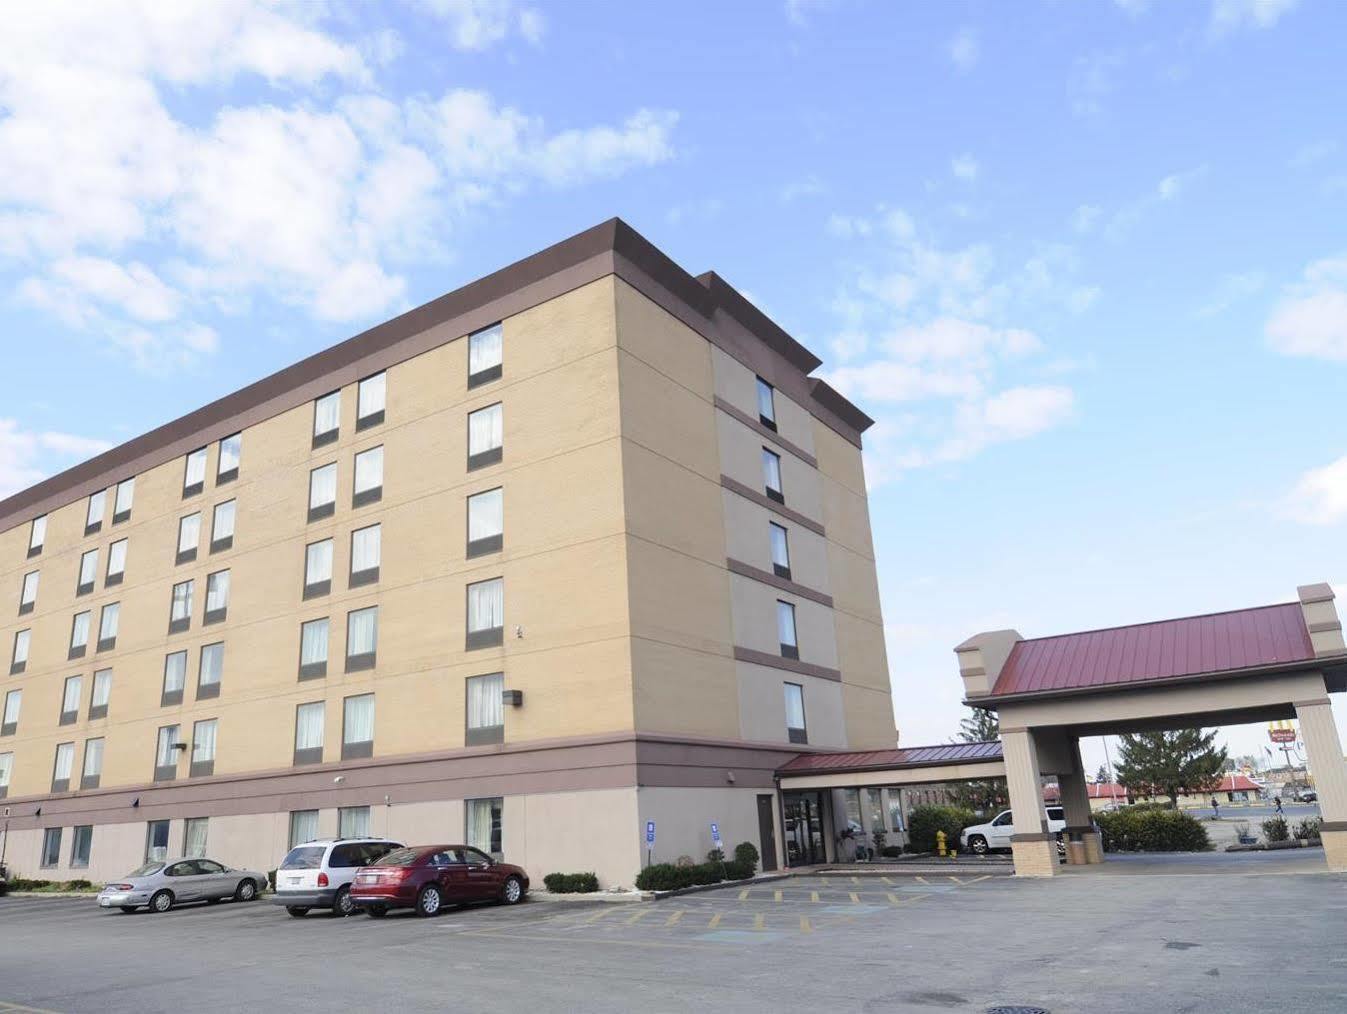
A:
995, 834
1307, 796
318, 874
427, 877
161, 885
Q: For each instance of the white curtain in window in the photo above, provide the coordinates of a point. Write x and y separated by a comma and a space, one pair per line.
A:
102, 688
212, 664
165, 755
223, 525
303, 826
309, 726
765, 407
109, 621
217, 591
39, 533
327, 413
485, 429
79, 631
189, 532
196, 468
65, 761
771, 470
203, 741
365, 549
313, 638
6, 766
486, 605
21, 646
30, 582
370, 399
353, 822
318, 562
362, 631
358, 725
484, 824
780, 546
117, 557
194, 837
484, 349
71, 700
794, 706
785, 622
486, 515
485, 709
88, 567
97, 504
231, 451
182, 600
93, 757
13, 702
323, 485
156, 841
369, 469
126, 495
175, 671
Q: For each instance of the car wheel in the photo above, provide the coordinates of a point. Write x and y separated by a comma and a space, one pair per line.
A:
128, 909
342, 905
977, 845
512, 892
298, 911
246, 891
428, 902
162, 901
376, 911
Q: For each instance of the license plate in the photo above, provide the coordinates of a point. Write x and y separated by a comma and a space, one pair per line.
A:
105, 902
294, 880
367, 878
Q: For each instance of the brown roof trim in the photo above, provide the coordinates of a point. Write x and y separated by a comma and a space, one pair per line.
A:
827, 396
612, 247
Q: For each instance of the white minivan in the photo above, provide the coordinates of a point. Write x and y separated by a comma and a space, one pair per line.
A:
995, 834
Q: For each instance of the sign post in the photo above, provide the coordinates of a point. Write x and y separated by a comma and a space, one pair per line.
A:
649, 841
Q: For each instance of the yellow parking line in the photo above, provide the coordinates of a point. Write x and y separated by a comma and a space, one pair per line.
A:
855, 880
743, 895
894, 899
886, 880
4, 1005
598, 915
759, 921
777, 896
920, 879
956, 880
985, 876
813, 895
855, 898
674, 918
636, 916
805, 927
715, 921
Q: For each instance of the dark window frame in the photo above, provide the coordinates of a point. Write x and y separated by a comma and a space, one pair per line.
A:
62, 784
81, 650
119, 517
207, 691
229, 474
374, 418
195, 488
490, 637
780, 570
328, 436
365, 660
370, 575
16, 667
491, 373
212, 616
800, 735
310, 754
484, 735
314, 670
361, 749
111, 579
791, 651
46, 861
492, 543
167, 772
769, 422
76, 862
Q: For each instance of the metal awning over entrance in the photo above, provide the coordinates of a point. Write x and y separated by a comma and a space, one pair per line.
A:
954, 762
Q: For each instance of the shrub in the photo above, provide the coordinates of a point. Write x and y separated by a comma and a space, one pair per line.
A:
571, 883
1152, 830
670, 877
1276, 829
736, 870
1151, 807
715, 856
925, 821
746, 853
271, 879
891, 851
684, 861
1310, 828
79, 885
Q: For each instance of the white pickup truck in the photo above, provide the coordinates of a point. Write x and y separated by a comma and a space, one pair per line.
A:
995, 834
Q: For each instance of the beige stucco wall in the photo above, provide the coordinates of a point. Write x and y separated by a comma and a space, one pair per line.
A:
755, 623
683, 819
748, 539
762, 706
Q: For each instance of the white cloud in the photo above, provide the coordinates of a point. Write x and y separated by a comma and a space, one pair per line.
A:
1084, 218
1232, 15
1231, 290
798, 12
948, 338
1311, 319
964, 50
480, 24
810, 187
1168, 190
27, 457
965, 167
1319, 497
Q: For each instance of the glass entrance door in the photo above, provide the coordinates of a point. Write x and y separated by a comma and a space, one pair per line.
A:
804, 828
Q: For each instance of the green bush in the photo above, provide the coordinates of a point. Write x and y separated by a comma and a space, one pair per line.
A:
715, 856
925, 821
746, 854
669, 877
1311, 828
736, 870
1147, 807
1152, 830
891, 851
571, 883
1276, 829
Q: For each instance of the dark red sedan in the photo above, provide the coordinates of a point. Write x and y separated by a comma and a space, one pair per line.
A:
428, 877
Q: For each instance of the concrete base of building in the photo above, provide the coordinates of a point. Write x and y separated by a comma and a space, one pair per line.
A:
1335, 850
1034, 858
1094, 846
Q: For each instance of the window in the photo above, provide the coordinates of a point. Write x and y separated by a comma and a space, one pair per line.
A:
222, 527
369, 402
780, 549
116, 564
369, 477
65, 762
82, 840
326, 419
108, 623
6, 768
771, 475
203, 748
210, 671
98, 505
88, 572
362, 638
166, 754
318, 569
194, 830
180, 611
303, 826
486, 522
93, 763
156, 841
486, 714
37, 535
484, 824
323, 492
486, 433
486, 613
766, 404
357, 727
28, 593
122, 501
795, 727
353, 822
70, 700
365, 555
9, 724
51, 846
227, 466
309, 733
189, 537
79, 634
194, 477
484, 355
175, 678
102, 692
19, 661
217, 596
313, 638
785, 629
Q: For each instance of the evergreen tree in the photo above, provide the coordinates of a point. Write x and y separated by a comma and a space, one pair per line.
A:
980, 727
1101, 776
1170, 763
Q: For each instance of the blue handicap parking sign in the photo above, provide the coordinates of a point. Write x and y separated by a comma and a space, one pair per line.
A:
650, 832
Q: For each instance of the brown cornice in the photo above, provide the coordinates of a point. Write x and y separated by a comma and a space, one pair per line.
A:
787, 664
762, 500
780, 583
767, 434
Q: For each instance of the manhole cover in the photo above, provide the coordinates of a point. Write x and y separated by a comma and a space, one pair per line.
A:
1018, 1010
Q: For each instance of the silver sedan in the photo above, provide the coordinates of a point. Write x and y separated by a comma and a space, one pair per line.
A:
161, 885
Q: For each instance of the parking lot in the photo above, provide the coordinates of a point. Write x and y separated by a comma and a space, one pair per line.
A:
866, 943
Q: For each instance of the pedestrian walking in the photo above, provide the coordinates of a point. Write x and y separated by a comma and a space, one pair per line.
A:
1278, 801
1215, 808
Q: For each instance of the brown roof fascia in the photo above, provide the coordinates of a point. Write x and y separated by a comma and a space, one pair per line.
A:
827, 396
729, 299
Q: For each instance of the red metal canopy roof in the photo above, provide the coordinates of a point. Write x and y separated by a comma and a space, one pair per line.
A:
1191, 646
908, 757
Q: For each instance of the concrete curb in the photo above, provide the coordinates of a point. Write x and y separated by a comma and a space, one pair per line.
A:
50, 894
547, 897
1277, 846
700, 888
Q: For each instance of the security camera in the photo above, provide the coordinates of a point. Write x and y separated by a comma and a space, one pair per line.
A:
339, 779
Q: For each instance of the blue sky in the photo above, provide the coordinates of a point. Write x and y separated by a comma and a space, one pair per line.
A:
1084, 262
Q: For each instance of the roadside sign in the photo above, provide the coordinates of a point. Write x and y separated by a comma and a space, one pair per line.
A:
650, 832
715, 834
1281, 732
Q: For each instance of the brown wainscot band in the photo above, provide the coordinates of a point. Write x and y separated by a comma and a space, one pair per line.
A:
765, 433
749, 493
780, 583
788, 664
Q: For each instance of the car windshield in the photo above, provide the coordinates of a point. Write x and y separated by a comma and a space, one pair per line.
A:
146, 870
400, 857
306, 857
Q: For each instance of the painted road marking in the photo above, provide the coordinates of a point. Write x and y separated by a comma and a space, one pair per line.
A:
739, 937
805, 927
759, 922
743, 895
778, 896
673, 919
956, 880
636, 916
985, 876
598, 915
715, 920
886, 880
855, 898
855, 880
921, 880
813, 895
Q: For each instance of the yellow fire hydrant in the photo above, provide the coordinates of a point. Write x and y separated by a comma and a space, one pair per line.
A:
940, 843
